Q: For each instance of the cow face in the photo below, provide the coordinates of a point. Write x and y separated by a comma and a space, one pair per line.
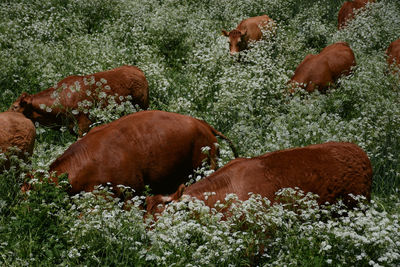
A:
237, 40
156, 204
21, 104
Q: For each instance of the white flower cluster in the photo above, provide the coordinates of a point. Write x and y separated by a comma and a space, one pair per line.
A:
189, 70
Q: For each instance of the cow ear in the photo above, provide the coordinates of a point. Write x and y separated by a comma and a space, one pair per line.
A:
177, 195
243, 32
225, 33
25, 98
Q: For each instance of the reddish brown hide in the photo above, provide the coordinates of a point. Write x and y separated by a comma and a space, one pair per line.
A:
124, 81
154, 148
248, 30
320, 71
346, 12
16, 131
393, 54
332, 170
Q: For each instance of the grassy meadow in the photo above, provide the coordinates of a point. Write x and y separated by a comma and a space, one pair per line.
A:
179, 46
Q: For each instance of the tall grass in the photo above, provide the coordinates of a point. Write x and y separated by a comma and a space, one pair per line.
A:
179, 46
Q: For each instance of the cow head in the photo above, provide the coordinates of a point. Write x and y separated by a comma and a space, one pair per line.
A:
237, 40
156, 204
22, 104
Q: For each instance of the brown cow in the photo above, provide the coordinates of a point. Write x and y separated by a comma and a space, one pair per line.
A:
57, 106
393, 53
332, 170
346, 12
154, 148
248, 30
16, 131
320, 71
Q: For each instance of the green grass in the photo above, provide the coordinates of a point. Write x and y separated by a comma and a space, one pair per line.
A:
179, 46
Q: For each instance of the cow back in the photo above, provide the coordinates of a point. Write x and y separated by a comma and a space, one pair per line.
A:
252, 27
154, 148
70, 100
332, 170
340, 58
321, 70
346, 12
16, 131
121, 81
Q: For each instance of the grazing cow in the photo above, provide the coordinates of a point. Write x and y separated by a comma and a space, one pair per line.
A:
393, 54
154, 148
320, 71
248, 30
332, 170
55, 106
16, 131
346, 12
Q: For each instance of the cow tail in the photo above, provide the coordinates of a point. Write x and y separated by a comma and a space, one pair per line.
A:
217, 133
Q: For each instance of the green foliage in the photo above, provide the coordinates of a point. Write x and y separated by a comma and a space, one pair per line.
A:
35, 225
12, 171
186, 61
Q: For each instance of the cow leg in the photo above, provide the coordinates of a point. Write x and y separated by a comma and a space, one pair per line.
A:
83, 124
